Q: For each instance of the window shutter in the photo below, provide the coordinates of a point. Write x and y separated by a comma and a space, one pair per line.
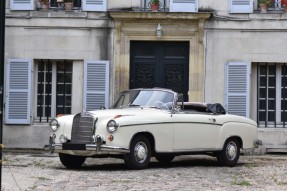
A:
183, 6
94, 5
96, 85
18, 91
22, 4
241, 6
237, 88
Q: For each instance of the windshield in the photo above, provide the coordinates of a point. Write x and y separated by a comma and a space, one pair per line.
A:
145, 98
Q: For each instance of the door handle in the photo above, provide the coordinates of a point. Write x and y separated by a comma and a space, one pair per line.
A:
212, 120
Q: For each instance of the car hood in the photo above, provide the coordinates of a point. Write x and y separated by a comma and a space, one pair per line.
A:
148, 113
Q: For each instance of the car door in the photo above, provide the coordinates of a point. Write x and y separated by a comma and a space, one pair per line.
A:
194, 131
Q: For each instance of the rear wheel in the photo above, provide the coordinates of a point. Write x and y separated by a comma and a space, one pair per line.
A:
71, 161
140, 153
230, 154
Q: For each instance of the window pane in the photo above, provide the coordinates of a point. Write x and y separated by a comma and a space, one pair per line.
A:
272, 70
284, 104
39, 111
262, 116
48, 88
262, 104
48, 111
40, 89
263, 81
284, 116
39, 100
271, 116
284, 81
263, 70
272, 81
284, 93
271, 105
262, 93
271, 92
284, 69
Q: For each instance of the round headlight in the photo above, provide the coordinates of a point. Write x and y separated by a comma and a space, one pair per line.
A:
54, 125
112, 126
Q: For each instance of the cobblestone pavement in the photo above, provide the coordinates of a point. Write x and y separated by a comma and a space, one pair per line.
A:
43, 171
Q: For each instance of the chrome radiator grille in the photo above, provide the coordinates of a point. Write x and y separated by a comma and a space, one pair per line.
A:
83, 128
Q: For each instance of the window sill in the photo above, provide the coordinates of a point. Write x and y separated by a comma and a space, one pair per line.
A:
269, 15
56, 13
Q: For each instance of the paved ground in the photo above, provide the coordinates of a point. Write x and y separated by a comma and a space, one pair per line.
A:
43, 171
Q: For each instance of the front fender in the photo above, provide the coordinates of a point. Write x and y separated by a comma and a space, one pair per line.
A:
246, 132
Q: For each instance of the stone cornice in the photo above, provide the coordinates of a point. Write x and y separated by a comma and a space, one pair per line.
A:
162, 16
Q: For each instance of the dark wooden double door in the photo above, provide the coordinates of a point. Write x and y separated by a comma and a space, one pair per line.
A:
160, 64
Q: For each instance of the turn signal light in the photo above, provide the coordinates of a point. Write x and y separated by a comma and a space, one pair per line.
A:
111, 137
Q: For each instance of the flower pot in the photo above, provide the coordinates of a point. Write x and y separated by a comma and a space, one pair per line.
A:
154, 7
263, 7
69, 6
285, 8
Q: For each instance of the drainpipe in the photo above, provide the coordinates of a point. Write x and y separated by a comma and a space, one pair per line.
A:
2, 44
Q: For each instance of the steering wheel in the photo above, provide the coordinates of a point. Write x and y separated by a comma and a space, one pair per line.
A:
161, 105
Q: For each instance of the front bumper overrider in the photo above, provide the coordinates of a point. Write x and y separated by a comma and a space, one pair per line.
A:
98, 146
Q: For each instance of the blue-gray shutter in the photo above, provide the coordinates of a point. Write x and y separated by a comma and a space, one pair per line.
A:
237, 88
183, 6
96, 85
94, 5
240, 6
18, 91
22, 4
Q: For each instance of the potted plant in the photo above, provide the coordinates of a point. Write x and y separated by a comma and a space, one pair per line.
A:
69, 4
264, 4
45, 4
154, 5
284, 3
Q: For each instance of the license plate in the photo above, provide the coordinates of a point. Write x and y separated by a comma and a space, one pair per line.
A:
74, 146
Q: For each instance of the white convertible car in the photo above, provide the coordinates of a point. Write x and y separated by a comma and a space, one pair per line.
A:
143, 123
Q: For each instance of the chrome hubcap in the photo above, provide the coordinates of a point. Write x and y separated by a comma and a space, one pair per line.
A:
140, 152
231, 151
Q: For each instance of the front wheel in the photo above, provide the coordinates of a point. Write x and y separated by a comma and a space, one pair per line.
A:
140, 153
71, 161
230, 153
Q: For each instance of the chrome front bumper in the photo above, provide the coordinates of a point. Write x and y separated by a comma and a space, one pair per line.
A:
98, 146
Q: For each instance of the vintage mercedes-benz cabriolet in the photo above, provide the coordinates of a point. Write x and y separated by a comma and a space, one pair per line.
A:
143, 123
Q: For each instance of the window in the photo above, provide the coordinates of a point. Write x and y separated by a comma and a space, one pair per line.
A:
54, 3
86, 5
272, 92
54, 89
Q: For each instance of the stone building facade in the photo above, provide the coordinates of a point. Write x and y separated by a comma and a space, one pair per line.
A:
227, 52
